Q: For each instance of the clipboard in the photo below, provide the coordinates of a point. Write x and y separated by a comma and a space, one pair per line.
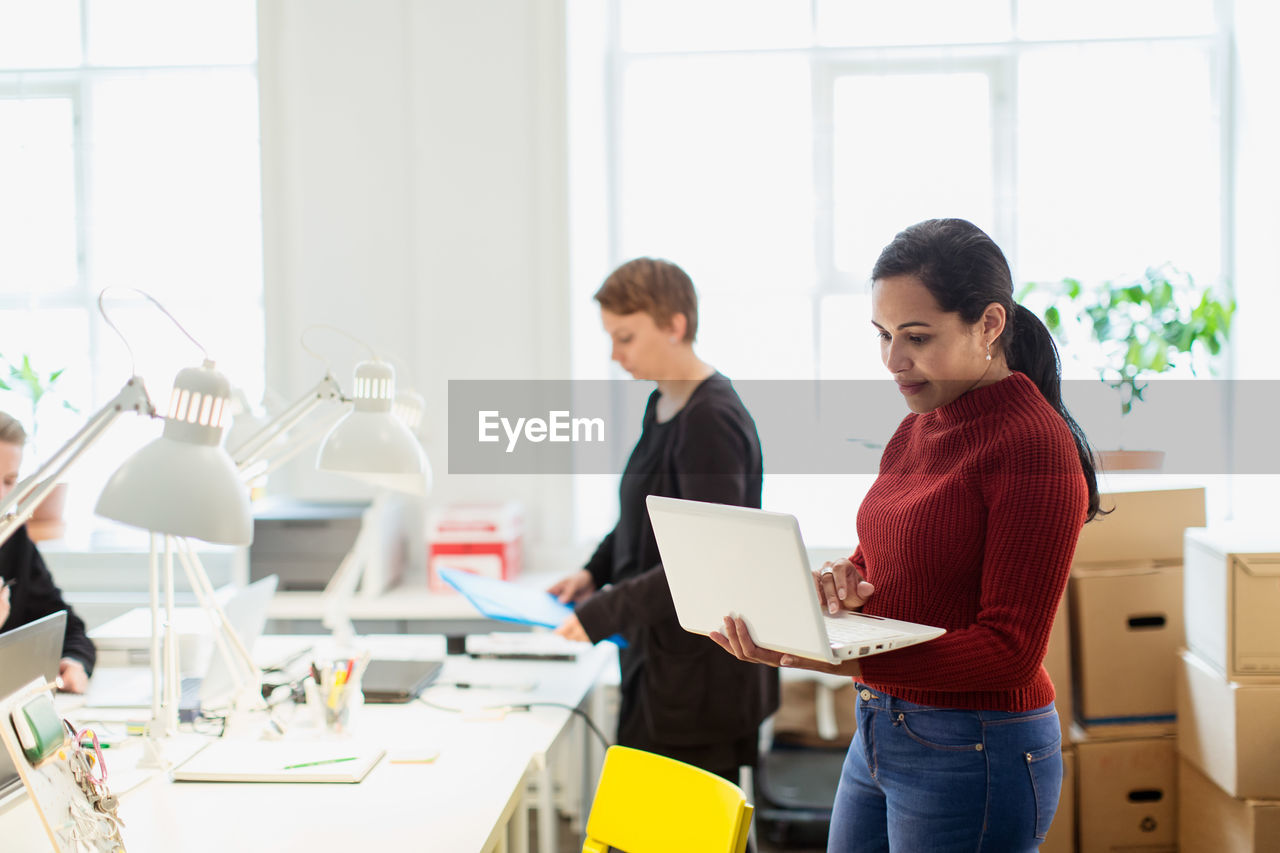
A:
70, 820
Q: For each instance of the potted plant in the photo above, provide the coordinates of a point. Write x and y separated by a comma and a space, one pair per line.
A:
1154, 323
40, 391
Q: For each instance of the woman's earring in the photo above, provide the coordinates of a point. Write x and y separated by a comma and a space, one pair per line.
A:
988, 350
673, 340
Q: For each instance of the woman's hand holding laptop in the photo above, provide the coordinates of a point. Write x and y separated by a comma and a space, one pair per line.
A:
838, 584
736, 640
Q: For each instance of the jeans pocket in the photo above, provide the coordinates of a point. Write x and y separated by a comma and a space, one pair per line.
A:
1044, 766
948, 731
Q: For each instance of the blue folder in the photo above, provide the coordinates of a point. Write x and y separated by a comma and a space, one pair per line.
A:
510, 602
507, 601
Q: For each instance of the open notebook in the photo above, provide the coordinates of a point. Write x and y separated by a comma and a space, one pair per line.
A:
233, 760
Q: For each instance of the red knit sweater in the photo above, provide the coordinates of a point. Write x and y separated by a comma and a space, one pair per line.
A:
971, 525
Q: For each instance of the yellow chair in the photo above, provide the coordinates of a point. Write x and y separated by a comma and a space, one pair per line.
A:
648, 803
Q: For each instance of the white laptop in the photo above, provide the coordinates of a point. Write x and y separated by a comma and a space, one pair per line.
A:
130, 687
722, 560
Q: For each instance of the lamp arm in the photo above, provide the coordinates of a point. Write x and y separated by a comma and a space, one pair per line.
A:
229, 643
254, 448
341, 588
18, 508
294, 444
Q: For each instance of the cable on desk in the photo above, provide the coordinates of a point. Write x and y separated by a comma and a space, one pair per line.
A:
526, 706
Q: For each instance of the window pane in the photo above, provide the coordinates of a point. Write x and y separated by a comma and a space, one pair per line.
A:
1118, 163
873, 22
39, 33
849, 348
761, 337
669, 25
176, 32
715, 170
907, 147
175, 208
37, 197
54, 339
1053, 19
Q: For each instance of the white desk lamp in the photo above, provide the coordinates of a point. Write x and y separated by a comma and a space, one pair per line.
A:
369, 443
183, 485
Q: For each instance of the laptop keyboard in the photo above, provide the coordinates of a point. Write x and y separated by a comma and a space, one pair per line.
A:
842, 631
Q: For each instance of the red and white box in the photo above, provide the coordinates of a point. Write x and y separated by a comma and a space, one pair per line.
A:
483, 538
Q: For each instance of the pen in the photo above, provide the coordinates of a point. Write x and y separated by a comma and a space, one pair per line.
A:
322, 761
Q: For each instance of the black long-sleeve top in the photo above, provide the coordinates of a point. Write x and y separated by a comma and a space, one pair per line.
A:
696, 692
35, 594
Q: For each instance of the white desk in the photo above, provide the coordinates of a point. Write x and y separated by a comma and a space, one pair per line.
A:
470, 799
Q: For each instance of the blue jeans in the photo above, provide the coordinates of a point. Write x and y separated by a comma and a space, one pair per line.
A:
920, 779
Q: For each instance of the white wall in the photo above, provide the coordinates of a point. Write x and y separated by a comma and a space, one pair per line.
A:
414, 183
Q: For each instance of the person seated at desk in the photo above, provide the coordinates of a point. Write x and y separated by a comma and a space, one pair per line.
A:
29, 591
681, 696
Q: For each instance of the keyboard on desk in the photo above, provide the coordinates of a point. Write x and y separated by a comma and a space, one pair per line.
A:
844, 631
130, 687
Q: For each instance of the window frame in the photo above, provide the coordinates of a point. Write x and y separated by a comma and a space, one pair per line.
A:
999, 61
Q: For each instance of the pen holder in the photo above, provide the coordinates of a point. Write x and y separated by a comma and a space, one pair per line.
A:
333, 708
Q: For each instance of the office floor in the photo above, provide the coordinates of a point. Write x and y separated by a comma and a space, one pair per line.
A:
572, 843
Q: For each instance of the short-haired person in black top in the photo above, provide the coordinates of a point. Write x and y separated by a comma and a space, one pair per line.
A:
29, 590
681, 695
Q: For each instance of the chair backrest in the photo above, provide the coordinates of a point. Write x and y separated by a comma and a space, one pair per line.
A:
647, 803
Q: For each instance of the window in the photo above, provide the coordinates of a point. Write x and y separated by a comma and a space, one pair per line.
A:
773, 148
129, 158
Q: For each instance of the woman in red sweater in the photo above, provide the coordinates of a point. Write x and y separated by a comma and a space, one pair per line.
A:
971, 526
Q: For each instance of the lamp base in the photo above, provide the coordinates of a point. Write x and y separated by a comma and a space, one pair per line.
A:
165, 752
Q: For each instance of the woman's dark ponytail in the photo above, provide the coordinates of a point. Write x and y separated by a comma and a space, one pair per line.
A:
966, 271
1031, 350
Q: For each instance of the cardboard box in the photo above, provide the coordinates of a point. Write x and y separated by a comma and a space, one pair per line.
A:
1232, 575
1230, 731
815, 709
1126, 631
485, 539
1144, 527
1062, 834
1057, 662
1127, 796
1213, 821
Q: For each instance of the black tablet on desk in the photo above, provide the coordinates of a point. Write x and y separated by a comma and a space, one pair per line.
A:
397, 680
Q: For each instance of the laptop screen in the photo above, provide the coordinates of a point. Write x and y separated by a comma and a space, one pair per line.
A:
28, 652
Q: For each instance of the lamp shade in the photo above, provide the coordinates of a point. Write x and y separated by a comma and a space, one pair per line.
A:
370, 442
184, 483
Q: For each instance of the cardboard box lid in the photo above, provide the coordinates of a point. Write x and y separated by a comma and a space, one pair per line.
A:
1143, 526
1240, 539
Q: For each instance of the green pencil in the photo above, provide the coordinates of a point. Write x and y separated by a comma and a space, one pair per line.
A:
323, 761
